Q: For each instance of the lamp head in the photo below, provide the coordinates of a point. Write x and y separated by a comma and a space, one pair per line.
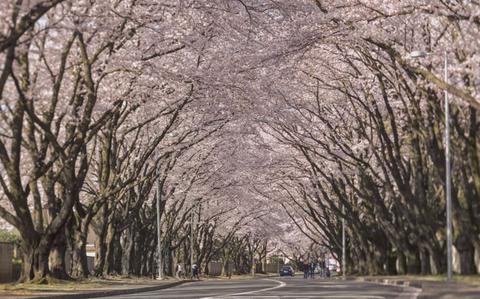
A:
418, 54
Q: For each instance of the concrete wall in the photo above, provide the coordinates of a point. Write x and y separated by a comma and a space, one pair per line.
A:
6, 255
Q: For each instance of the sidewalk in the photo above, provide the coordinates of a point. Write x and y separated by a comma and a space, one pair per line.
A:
86, 289
436, 288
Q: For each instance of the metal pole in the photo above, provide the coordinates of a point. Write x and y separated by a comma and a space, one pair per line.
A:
191, 240
448, 177
159, 260
344, 243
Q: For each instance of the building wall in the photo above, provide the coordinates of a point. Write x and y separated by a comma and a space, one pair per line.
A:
273, 268
6, 255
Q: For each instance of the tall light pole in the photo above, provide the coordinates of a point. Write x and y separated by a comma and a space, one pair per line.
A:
344, 246
448, 178
159, 245
191, 240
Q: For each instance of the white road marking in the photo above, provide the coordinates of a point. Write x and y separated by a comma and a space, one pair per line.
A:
281, 285
408, 292
340, 296
301, 297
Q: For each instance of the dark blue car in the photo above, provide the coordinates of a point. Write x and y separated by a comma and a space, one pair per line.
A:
287, 271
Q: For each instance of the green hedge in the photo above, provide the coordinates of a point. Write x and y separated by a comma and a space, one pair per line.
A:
9, 236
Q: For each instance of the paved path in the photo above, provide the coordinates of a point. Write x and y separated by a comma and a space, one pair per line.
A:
273, 288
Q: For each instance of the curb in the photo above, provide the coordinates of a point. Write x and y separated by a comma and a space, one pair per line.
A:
412, 289
405, 283
107, 293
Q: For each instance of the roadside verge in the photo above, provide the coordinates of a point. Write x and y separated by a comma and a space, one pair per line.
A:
89, 289
115, 292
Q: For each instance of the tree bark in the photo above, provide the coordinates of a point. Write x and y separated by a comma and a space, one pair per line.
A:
57, 256
466, 252
35, 261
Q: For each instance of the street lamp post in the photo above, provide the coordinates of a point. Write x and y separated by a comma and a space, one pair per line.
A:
159, 245
344, 247
191, 241
448, 180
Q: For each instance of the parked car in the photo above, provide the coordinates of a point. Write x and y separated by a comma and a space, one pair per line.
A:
287, 271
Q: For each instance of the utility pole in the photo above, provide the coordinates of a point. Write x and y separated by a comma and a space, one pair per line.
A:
344, 243
191, 239
159, 252
448, 177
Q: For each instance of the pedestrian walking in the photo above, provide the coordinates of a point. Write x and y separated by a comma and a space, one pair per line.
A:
306, 269
195, 272
322, 268
179, 272
312, 270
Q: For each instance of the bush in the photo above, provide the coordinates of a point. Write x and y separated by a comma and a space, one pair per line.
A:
9, 236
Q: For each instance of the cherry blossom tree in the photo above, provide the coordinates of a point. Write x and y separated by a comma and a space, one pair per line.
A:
251, 123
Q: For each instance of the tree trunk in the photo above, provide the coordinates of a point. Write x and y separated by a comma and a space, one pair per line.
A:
466, 252
79, 255
437, 260
57, 256
100, 253
424, 261
390, 264
226, 258
413, 262
127, 252
401, 263
117, 255
35, 261
108, 267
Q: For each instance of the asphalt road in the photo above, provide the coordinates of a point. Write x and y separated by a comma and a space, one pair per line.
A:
273, 288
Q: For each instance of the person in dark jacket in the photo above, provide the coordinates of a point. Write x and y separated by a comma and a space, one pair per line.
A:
312, 270
322, 268
195, 271
306, 269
